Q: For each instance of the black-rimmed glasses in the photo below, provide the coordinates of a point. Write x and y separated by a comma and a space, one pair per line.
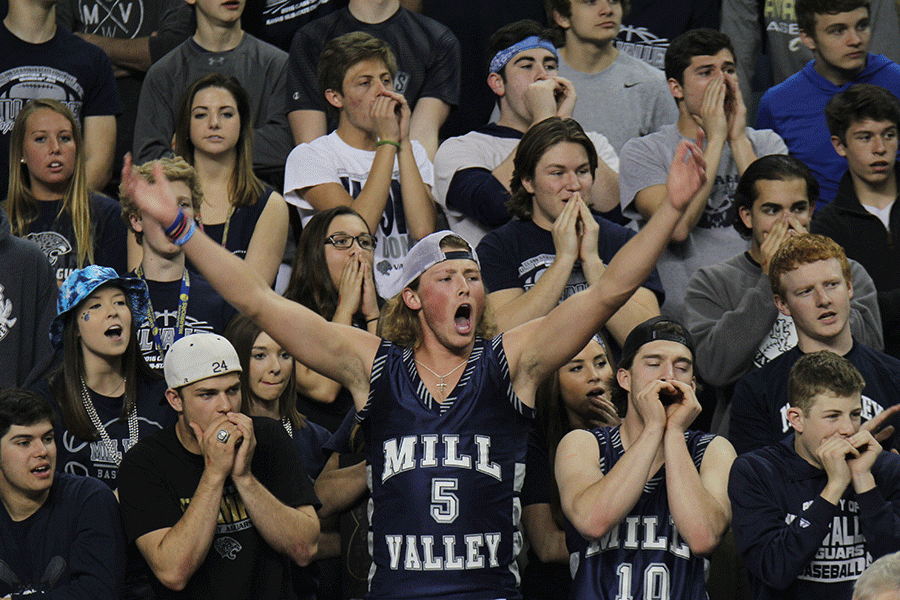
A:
343, 241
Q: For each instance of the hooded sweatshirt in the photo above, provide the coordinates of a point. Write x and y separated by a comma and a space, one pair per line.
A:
797, 545
795, 109
28, 294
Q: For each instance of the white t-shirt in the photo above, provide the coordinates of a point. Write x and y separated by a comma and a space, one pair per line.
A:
883, 214
329, 159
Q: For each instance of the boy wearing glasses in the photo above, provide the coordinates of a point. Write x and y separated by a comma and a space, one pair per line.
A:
368, 162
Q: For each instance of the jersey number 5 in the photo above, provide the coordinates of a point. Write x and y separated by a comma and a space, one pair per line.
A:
444, 503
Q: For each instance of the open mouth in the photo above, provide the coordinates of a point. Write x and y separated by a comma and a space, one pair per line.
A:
596, 393
114, 332
463, 318
827, 316
42, 470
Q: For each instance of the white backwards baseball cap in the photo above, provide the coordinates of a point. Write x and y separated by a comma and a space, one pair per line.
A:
199, 356
427, 253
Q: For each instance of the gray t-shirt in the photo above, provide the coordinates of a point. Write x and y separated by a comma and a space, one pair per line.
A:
259, 67
644, 162
627, 99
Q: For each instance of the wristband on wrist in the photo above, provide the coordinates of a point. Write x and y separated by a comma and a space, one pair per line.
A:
177, 224
181, 241
388, 143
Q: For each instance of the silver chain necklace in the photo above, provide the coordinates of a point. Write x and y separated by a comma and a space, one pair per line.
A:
95, 419
441, 385
288, 427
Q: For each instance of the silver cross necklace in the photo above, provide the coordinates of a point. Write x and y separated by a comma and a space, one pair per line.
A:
441, 385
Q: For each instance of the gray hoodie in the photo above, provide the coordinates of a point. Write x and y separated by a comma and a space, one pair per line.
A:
28, 294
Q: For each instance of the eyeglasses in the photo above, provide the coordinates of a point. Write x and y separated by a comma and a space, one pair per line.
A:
343, 241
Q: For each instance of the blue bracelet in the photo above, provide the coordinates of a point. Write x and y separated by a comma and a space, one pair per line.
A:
190, 232
179, 220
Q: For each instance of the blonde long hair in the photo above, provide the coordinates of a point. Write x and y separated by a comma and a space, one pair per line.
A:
20, 203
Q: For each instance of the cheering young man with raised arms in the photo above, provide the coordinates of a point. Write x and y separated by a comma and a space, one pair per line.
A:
444, 410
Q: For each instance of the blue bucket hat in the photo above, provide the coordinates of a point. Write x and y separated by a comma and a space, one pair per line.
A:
82, 283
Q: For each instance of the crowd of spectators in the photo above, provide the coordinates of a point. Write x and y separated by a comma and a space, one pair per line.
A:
287, 313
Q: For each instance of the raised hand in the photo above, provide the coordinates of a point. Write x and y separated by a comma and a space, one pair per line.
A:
649, 407
735, 109
604, 411
687, 174
565, 97
833, 453
403, 112
156, 200
540, 98
369, 303
878, 426
589, 230
781, 231
350, 289
712, 116
868, 450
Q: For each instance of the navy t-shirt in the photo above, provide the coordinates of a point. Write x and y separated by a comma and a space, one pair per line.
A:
760, 402
207, 312
53, 232
64, 68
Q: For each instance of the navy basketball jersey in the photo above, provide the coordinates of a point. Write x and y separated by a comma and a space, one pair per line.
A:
643, 558
445, 479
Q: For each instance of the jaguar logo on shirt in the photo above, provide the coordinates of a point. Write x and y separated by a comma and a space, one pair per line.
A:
227, 547
52, 244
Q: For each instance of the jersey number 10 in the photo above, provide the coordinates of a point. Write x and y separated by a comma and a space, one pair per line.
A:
656, 582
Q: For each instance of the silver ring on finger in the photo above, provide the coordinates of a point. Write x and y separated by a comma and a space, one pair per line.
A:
223, 435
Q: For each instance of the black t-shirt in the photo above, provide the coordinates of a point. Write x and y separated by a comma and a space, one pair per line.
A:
78, 522
276, 21
158, 478
427, 53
